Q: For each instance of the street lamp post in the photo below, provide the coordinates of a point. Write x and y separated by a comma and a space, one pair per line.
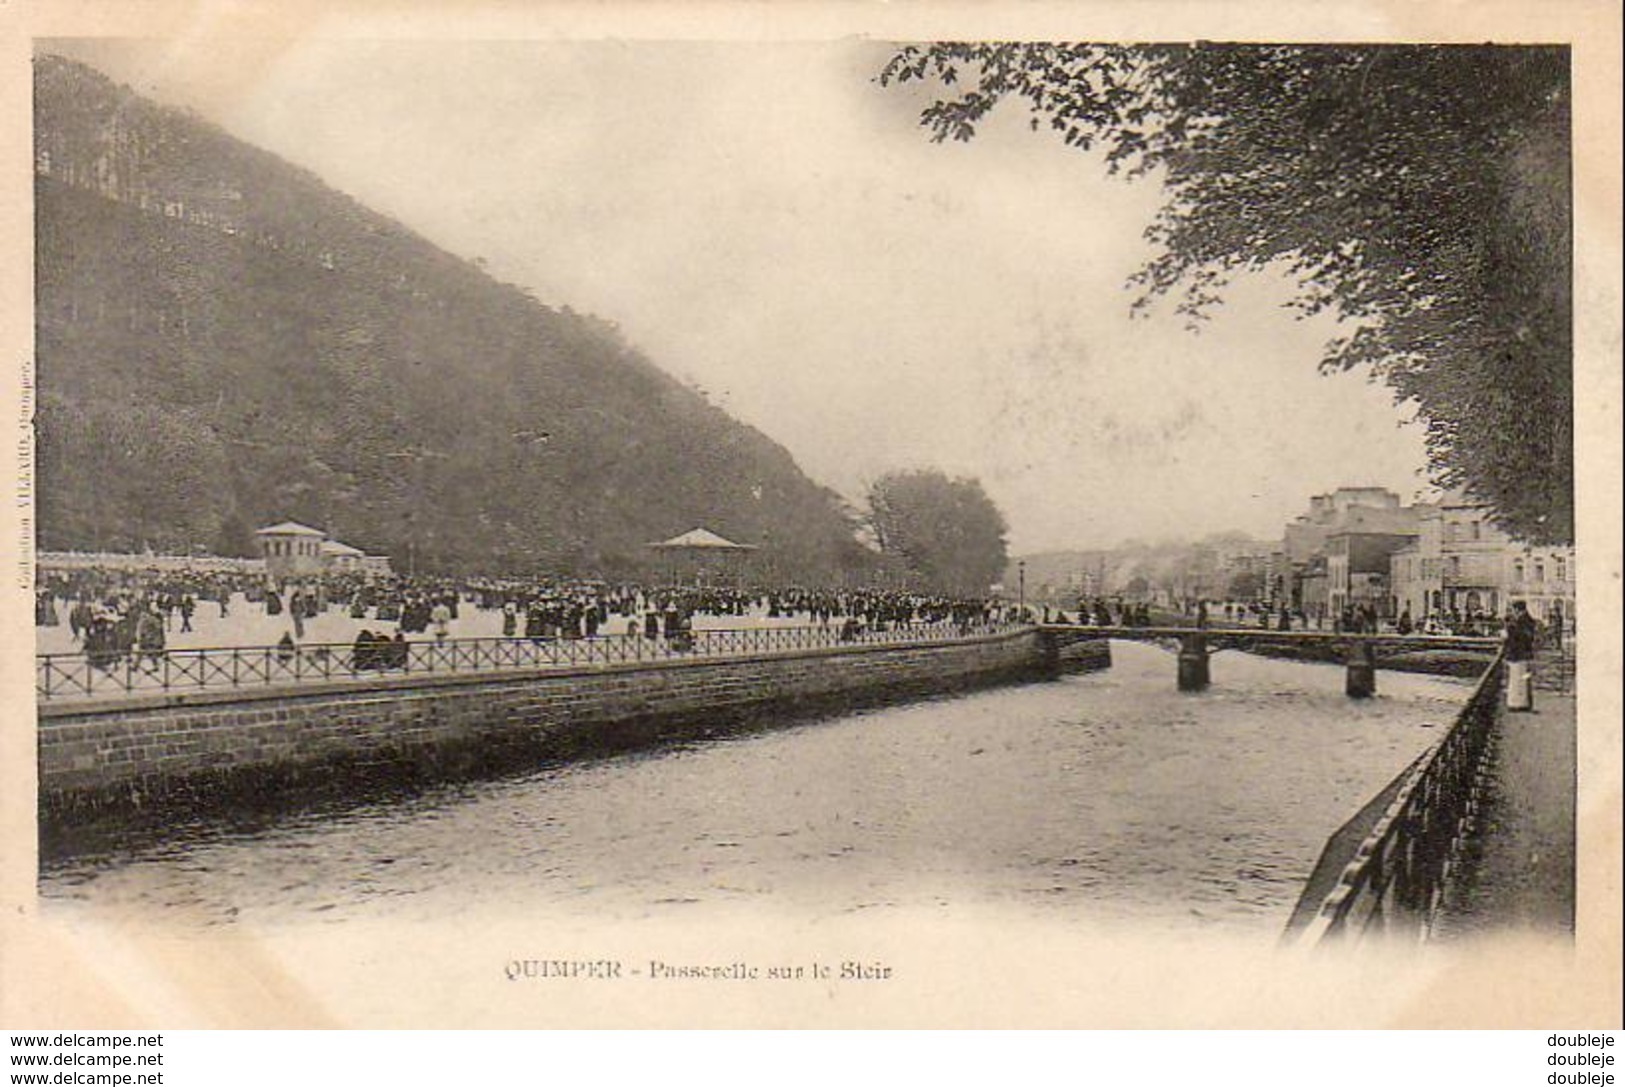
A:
1021, 585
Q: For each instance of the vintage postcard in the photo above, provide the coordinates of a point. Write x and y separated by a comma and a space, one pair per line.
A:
1064, 515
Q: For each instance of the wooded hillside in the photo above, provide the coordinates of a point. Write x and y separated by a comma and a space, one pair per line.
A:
223, 341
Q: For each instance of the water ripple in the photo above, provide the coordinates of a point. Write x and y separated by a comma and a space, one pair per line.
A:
1110, 796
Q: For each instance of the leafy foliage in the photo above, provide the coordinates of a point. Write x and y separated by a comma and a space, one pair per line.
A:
947, 533
1420, 193
224, 342
1246, 585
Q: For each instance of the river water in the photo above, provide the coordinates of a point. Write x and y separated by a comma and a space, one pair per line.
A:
1107, 797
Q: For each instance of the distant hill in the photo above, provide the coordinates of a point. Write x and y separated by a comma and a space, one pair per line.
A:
224, 341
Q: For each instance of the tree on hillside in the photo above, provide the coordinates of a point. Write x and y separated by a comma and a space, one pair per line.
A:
235, 538
148, 479
1420, 193
947, 533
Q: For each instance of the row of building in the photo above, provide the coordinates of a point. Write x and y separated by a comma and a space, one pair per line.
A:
1362, 547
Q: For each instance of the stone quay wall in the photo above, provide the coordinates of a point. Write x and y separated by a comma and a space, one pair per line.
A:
193, 747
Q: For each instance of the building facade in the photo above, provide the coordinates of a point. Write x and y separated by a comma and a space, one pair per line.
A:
1474, 553
1304, 543
1358, 569
1410, 583
293, 550
1310, 593
1465, 567
341, 558
1544, 578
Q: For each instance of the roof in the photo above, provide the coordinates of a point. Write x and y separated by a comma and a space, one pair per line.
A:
702, 539
1373, 521
290, 528
333, 547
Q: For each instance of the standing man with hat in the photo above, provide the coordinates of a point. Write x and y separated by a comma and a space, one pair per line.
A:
1521, 634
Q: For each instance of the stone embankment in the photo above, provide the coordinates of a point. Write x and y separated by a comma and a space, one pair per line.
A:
215, 744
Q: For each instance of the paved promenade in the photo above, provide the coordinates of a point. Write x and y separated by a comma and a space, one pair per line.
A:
1519, 874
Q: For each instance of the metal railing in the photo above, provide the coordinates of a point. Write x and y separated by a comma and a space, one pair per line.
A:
1396, 882
1239, 635
61, 677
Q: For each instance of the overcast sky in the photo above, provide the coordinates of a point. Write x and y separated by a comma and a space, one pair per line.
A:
769, 224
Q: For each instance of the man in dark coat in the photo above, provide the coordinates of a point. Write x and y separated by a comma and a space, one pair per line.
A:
363, 652
1521, 635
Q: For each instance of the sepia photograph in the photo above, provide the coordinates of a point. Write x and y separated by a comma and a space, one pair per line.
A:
578, 528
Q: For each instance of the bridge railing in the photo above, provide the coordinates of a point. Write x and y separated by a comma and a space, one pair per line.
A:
1260, 636
61, 677
1395, 884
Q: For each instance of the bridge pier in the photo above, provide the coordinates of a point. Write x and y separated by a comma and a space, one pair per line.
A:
1361, 681
1193, 662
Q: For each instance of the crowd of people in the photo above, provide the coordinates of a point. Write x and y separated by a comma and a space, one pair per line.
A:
1355, 618
114, 614
1100, 612
129, 614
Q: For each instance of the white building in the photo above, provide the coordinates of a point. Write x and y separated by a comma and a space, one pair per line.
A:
293, 550
1463, 563
341, 558
1544, 578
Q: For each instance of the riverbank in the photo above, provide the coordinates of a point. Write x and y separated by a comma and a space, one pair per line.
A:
1106, 799
212, 749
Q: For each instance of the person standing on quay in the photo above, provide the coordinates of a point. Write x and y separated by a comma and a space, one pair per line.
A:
149, 637
1521, 633
296, 608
